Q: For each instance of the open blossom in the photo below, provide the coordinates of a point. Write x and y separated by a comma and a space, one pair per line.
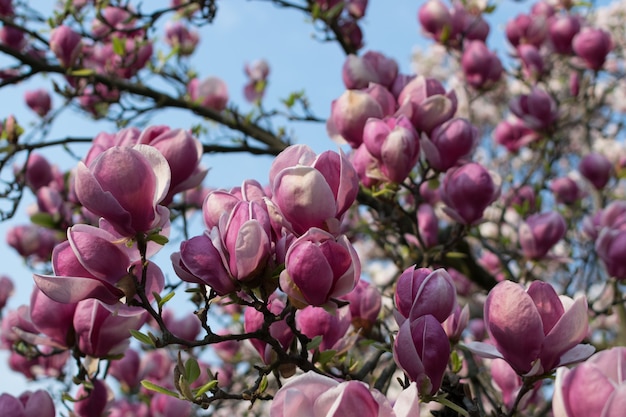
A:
257, 73
314, 395
426, 103
313, 191
125, 186
93, 263
611, 248
534, 330
177, 35
596, 387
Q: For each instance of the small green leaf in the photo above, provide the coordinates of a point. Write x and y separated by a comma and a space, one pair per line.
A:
43, 219
314, 343
159, 239
456, 255
84, 72
446, 402
263, 385
184, 388
457, 362
490, 9
161, 302
143, 338
119, 46
192, 370
326, 356
154, 387
206, 387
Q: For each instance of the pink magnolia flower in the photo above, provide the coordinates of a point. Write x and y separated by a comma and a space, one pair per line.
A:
314, 395
12, 37
93, 402
468, 191
421, 291
371, 67
531, 60
177, 35
566, 190
200, 262
257, 73
6, 290
596, 168
58, 326
28, 404
393, 142
528, 29
32, 241
332, 327
39, 101
514, 134
279, 329
481, 67
127, 370
66, 45
537, 110
125, 186
103, 330
449, 143
540, 232
93, 263
592, 46
348, 115
422, 350
611, 248
365, 304
436, 20
562, 30
596, 387
313, 191
455, 324
319, 267
534, 330
38, 172
162, 405
210, 92
425, 102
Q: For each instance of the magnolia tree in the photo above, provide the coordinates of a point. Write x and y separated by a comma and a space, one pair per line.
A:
462, 252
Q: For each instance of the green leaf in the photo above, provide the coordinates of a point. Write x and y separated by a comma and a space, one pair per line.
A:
262, 385
192, 370
159, 239
83, 72
143, 338
326, 356
119, 46
161, 302
154, 387
457, 362
490, 9
206, 387
456, 255
446, 402
43, 219
314, 343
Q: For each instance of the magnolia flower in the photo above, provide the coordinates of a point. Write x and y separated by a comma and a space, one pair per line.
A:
534, 330
314, 395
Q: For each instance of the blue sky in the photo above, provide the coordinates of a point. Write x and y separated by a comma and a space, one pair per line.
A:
244, 31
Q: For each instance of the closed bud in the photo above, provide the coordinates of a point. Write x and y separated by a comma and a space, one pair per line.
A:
540, 232
592, 46
597, 169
